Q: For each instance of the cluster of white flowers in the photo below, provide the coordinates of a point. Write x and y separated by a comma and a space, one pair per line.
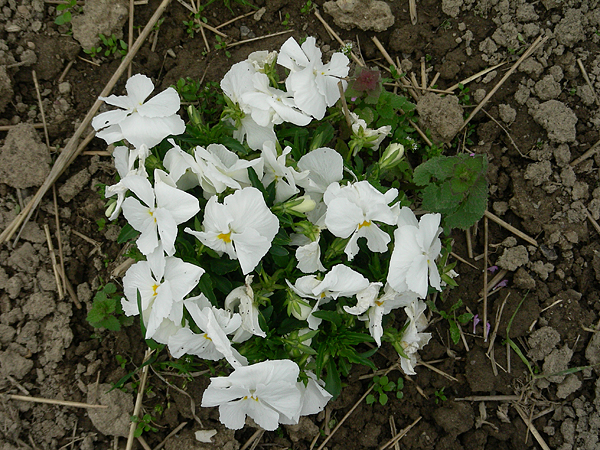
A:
241, 225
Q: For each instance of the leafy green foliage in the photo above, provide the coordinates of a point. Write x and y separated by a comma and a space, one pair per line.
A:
188, 89
452, 319
106, 310
113, 45
65, 15
383, 386
144, 423
454, 186
440, 396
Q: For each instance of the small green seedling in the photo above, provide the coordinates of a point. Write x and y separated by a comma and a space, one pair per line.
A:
143, 424
222, 45
440, 396
113, 45
452, 319
65, 9
93, 52
307, 7
382, 386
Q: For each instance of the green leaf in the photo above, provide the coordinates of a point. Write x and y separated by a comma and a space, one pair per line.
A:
454, 331
333, 382
127, 233
370, 399
110, 323
383, 398
465, 318
330, 316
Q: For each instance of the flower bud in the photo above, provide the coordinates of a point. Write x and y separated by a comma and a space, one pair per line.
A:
302, 204
297, 306
110, 207
391, 156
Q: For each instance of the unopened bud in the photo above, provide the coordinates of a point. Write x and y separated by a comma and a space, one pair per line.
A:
302, 204
391, 156
110, 207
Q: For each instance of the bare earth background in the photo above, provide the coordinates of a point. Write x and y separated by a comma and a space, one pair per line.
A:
534, 127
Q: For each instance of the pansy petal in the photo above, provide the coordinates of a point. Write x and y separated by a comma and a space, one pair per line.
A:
108, 118
139, 87
111, 134
180, 205
150, 131
141, 187
161, 105
120, 101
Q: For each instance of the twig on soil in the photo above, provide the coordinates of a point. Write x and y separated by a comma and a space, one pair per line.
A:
170, 435
58, 238
55, 268
224, 24
50, 401
435, 78
96, 153
538, 437
138, 401
412, 9
590, 152
485, 277
391, 62
71, 150
510, 228
245, 41
143, 443
490, 353
489, 398
592, 220
130, 34
469, 243
93, 63
557, 302
400, 435
17, 385
359, 401
41, 105
463, 338
474, 77
462, 260
10, 127
337, 38
506, 131
587, 80
538, 43
394, 431
436, 370
427, 89
66, 71
254, 439
497, 278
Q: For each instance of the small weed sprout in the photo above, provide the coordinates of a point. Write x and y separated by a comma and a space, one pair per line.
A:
222, 45
65, 15
113, 45
452, 319
383, 386
144, 424
307, 7
440, 396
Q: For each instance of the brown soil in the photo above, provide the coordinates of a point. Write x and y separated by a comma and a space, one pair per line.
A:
49, 350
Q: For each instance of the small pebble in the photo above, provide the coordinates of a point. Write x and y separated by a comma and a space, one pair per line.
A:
64, 88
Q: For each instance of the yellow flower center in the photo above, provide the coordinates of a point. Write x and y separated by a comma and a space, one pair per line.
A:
154, 288
378, 303
226, 237
366, 223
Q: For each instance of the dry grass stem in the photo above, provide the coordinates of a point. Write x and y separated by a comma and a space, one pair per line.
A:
93, 63
337, 37
462, 337
138, 400
587, 80
592, 220
538, 43
96, 153
343, 419
50, 401
256, 436
394, 431
590, 152
557, 302
130, 34
66, 71
474, 77
436, 370
469, 243
55, 269
10, 127
412, 9
491, 348
485, 277
71, 150
245, 41
435, 78
427, 89
497, 279
41, 105
510, 228
423, 74
122, 268
143, 443
489, 398
224, 24
17, 385
462, 260
506, 131
400, 435
61, 256
344, 104
170, 435
538, 437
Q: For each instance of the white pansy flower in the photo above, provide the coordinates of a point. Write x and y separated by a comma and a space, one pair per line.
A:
313, 400
265, 391
352, 211
125, 164
213, 344
139, 121
242, 300
242, 226
236, 82
275, 169
314, 84
325, 166
416, 247
413, 338
162, 282
163, 208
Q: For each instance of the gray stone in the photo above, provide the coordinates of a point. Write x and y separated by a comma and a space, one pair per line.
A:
556, 362
15, 365
451, 7
542, 342
507, 113
547, 88
74, 185
365, 14
570, 30
538, 172
40, 305
570, 384
24, 159
513, 258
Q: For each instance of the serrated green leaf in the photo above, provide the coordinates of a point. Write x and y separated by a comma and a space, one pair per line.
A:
110, 323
